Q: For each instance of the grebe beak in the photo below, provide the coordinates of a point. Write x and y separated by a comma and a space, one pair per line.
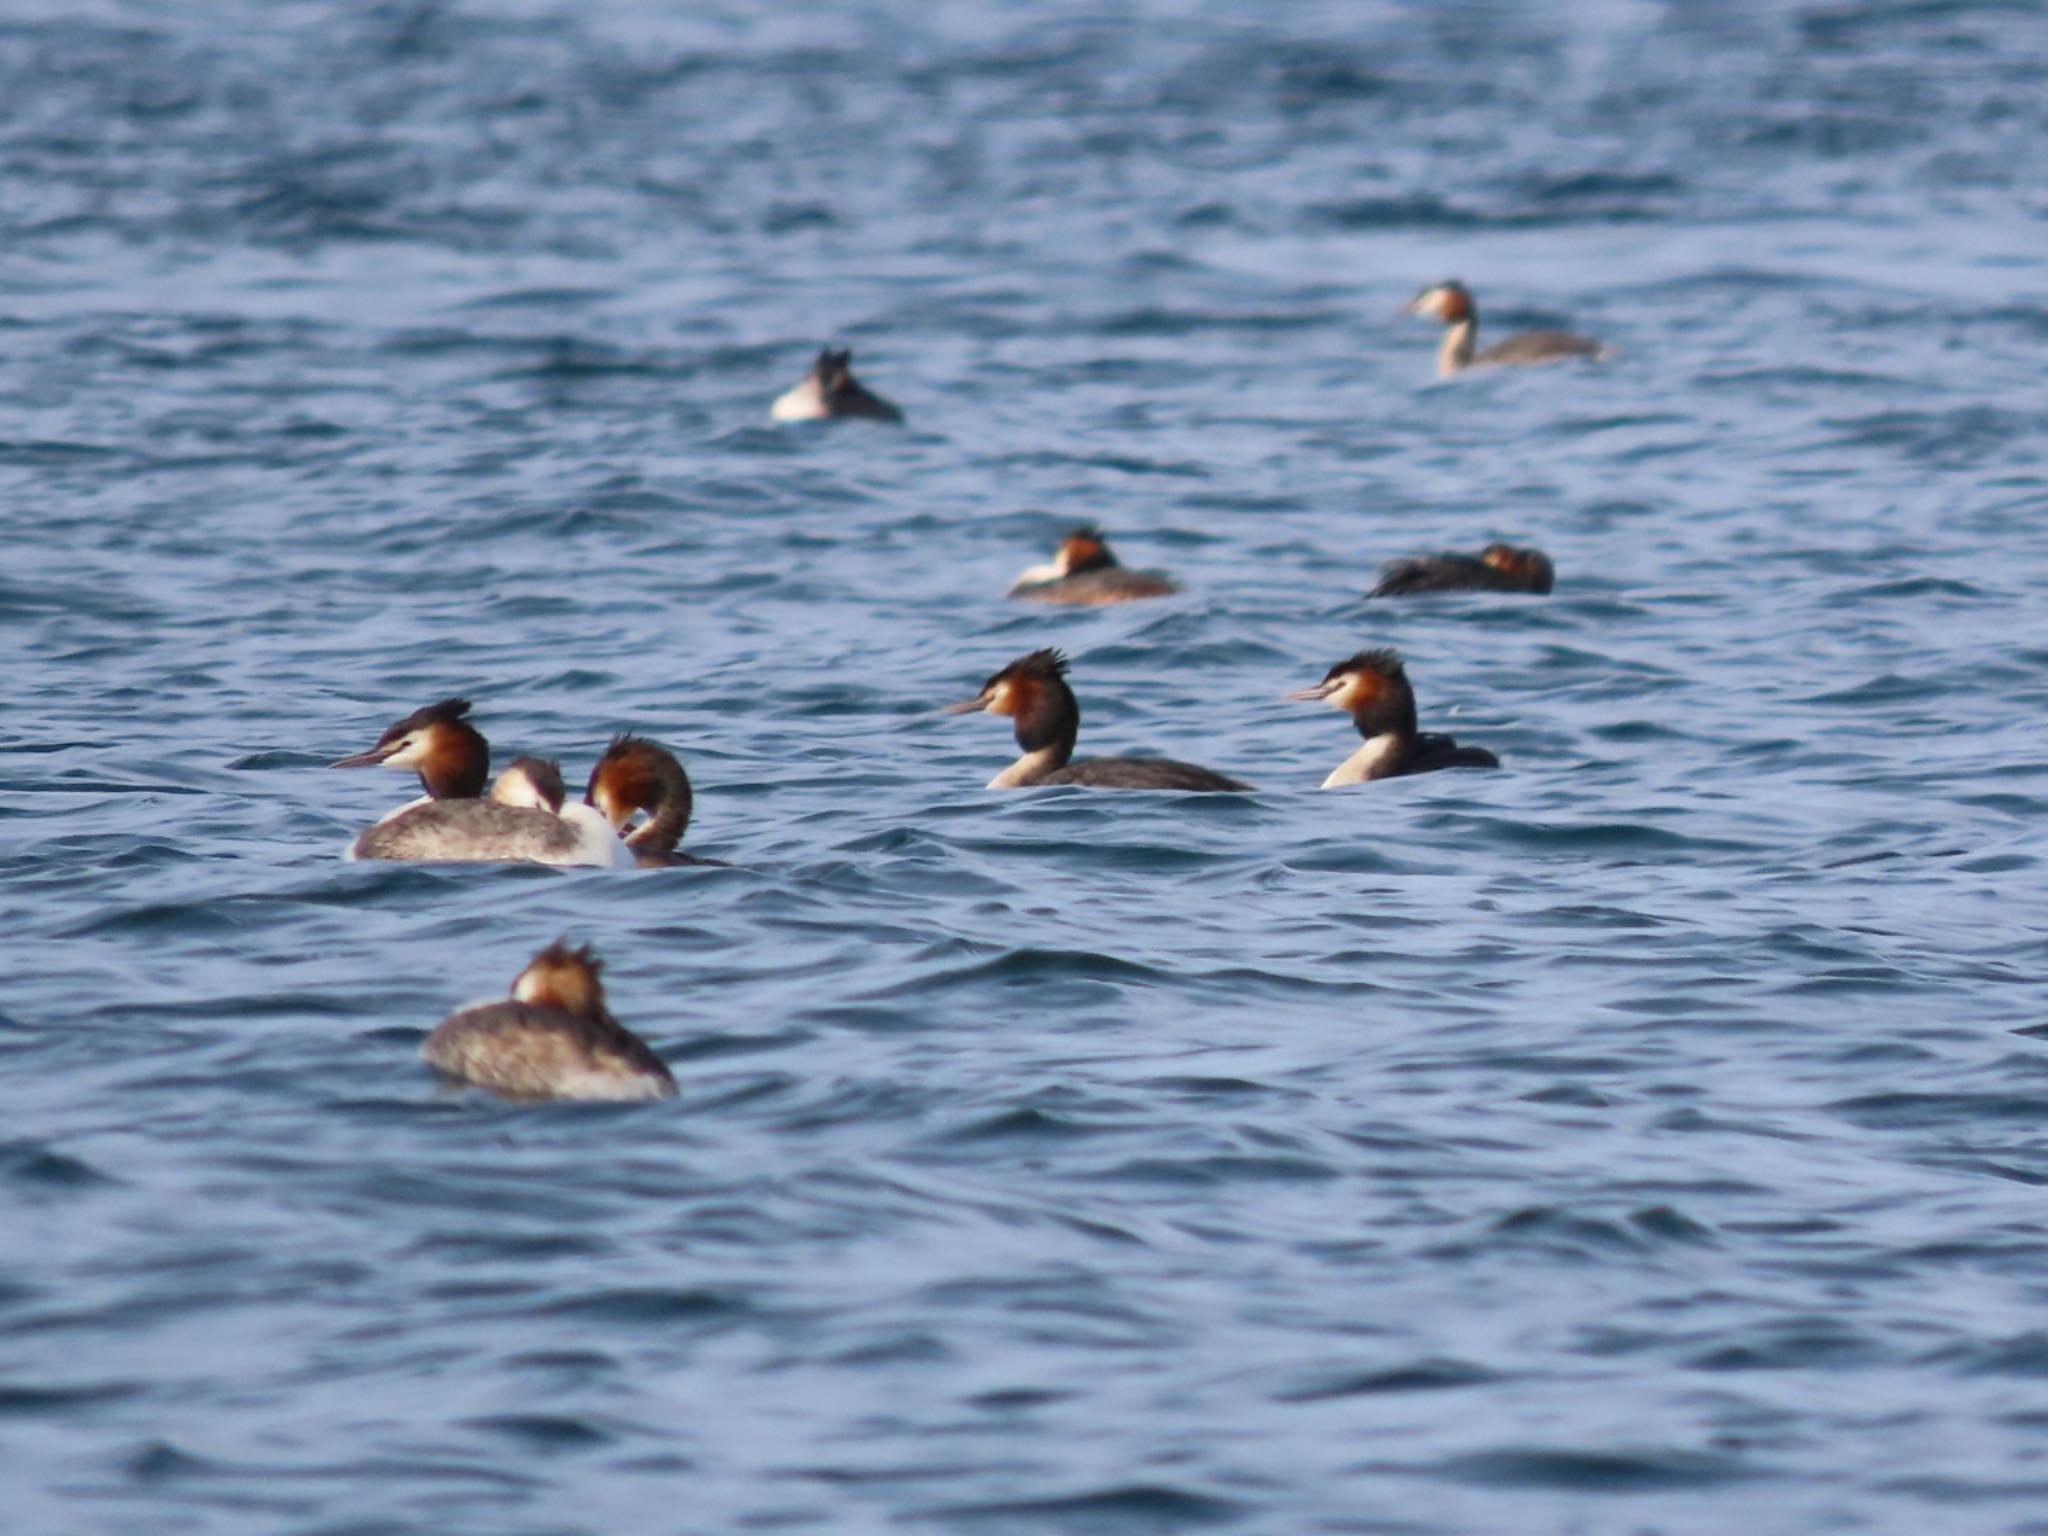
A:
1321, 690
967, 706
369, 759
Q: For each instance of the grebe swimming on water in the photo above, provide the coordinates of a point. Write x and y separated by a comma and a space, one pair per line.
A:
830, 390
1033, 691
1451, 302
1496, 568
1372, 687
553, 1039
451, 821
1084, 571
636, 774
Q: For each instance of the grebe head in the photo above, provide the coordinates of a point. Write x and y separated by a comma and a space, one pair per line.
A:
449, 754
1085, 549
1531, 567
833, 370
1033, 692
534, 783
1371, 687
636, 774
1021, 689
564, 978
1449, 301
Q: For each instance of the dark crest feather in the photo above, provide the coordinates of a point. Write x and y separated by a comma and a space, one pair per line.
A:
1380, 660
561, 953
446, 712
1049, 664
620, 743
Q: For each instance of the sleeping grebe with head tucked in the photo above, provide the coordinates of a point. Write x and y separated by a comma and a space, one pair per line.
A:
1033, 691
637, 775
1496, 568
1372, 687
1084, 571
1451, 302
830, 391
552, 1039
524, 821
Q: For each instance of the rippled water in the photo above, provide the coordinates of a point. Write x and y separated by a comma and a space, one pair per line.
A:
1647, 1137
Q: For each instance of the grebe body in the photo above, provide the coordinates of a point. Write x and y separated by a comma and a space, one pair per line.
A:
1085, 572
1496, 568
552, 1039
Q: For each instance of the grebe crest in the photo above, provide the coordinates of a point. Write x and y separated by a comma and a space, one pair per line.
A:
554, 1039
1033, 692
564, 978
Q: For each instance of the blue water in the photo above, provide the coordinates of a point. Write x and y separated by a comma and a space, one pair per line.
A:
1646, 1138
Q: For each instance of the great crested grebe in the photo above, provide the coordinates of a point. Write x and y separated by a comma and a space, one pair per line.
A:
1496, 568
831, 390
1372, 687
523, 821
636, 774
553, 1039
1033, 691
1083, 571
1451, 302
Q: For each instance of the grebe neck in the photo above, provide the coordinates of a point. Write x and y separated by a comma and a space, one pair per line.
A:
1460, 338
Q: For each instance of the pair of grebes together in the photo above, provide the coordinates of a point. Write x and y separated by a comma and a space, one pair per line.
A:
830, 391
555, 1037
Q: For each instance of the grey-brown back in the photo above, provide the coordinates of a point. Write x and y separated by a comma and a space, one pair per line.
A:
1441, 573
1539, 347
1141, 773
474, 830
528, 1051
1093, 588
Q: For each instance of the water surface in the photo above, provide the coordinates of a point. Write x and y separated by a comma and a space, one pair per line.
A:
1644, 1138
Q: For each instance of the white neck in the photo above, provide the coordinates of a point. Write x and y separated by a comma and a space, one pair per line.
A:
596, 842
1456, 352
1028, 769
1375, 760
806, 402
